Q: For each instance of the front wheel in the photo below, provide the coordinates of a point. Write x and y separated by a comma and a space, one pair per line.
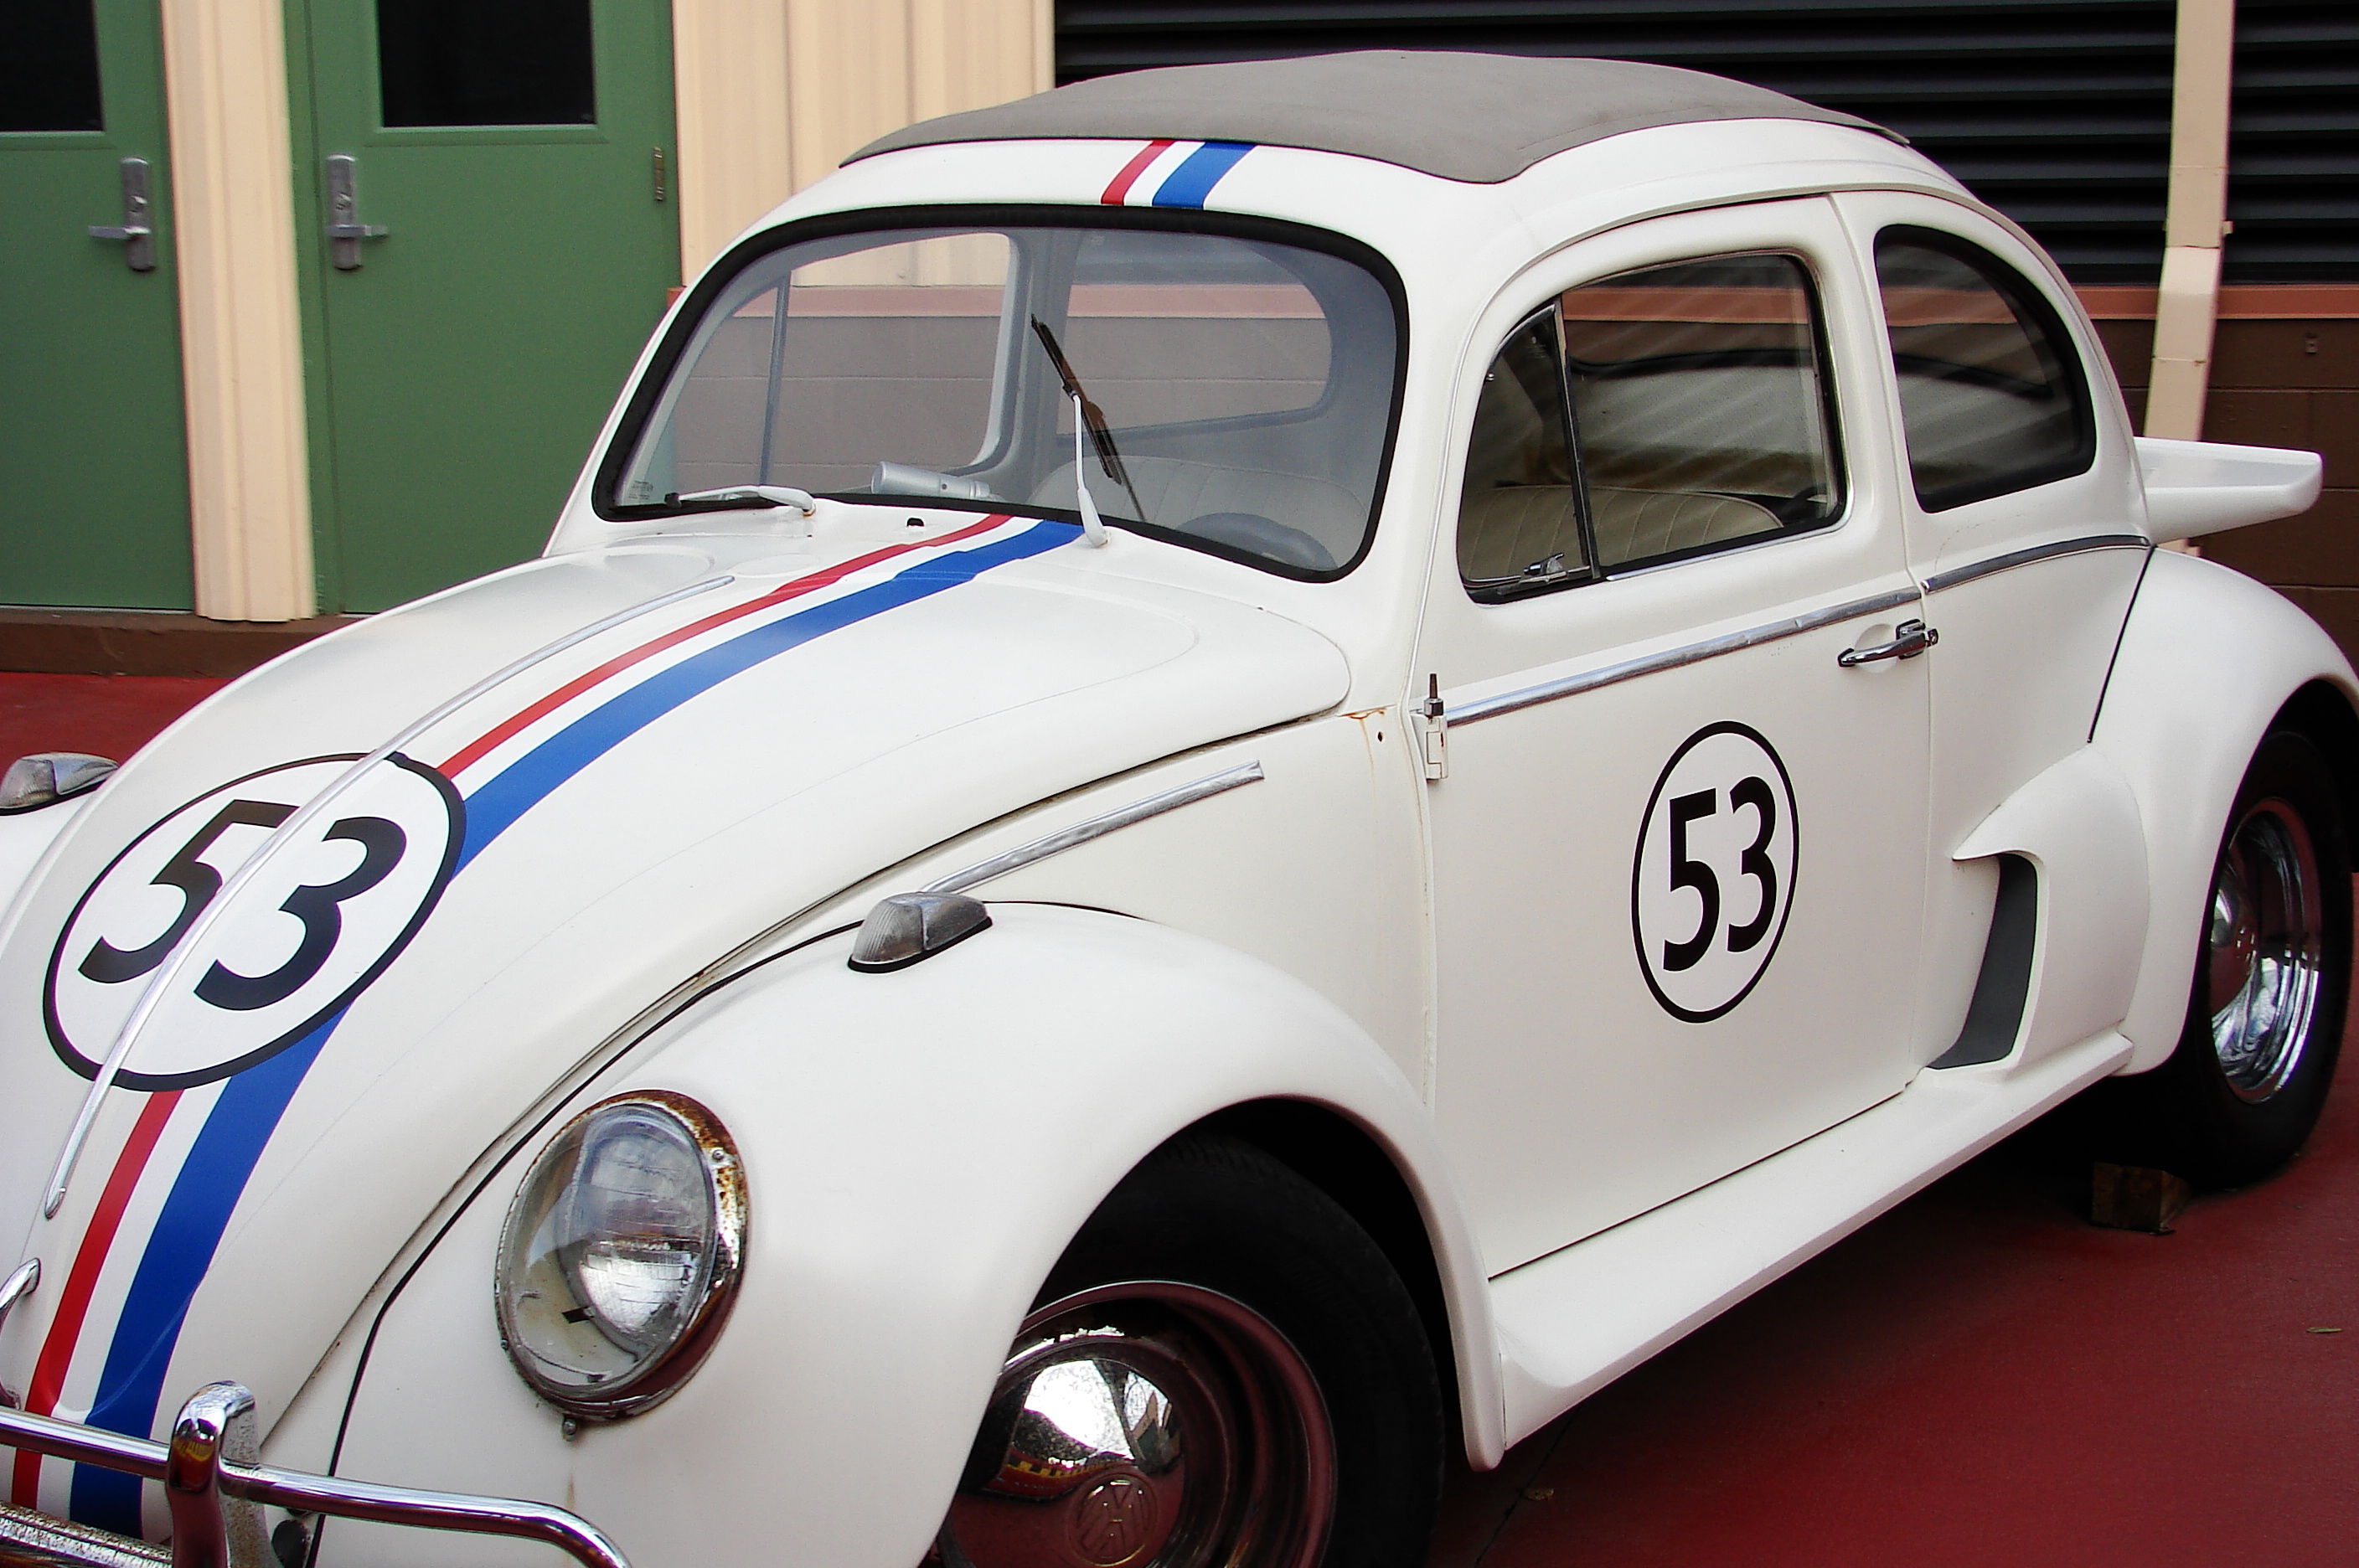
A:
2243, 1090
1222, 1372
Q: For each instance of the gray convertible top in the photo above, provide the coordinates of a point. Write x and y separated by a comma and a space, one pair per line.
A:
1478, 118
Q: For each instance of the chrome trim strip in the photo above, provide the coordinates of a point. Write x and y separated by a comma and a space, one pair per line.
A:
569, 1532
1674, 658
1082, 832
2050, 551
166, 972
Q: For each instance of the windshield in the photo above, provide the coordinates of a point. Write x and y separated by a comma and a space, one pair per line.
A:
1234, 394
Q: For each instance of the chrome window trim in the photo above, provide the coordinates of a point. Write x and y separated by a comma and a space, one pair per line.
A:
1647, 568
2037, 552
1096, 827
1676, 658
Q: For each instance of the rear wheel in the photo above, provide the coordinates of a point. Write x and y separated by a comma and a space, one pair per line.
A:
1222, 1372
2243, 1088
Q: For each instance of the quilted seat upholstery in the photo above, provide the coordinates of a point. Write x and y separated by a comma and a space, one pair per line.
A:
1500, 533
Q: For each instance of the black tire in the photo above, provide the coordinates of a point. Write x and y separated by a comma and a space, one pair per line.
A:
1241, 1275
2225, 1115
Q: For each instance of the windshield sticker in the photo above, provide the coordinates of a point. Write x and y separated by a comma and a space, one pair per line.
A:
1714, 874
174, 1183
1173, 173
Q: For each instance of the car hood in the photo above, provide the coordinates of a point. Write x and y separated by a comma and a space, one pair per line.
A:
456, 847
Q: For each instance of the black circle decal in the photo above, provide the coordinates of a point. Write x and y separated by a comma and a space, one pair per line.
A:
1714, 872
322, 918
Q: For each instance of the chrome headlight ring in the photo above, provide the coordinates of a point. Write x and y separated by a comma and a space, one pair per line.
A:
622, 1254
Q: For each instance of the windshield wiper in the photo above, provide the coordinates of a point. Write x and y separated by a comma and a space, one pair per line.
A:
768, 495
1090, 417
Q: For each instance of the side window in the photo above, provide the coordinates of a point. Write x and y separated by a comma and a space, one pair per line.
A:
1993, 399
1701, 407
1519, 513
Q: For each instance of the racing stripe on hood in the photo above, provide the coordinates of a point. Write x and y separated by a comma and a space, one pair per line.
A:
189, 1153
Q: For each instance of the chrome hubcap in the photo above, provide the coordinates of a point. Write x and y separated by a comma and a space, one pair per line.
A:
1148, 1424
2262, 950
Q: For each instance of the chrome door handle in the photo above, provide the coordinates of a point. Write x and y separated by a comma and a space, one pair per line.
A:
1909, 639
345, 231
137, 235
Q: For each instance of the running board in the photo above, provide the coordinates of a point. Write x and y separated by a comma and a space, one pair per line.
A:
1572, 1321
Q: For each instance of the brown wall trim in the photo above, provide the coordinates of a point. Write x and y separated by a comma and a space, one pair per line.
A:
2238, 301
136, 642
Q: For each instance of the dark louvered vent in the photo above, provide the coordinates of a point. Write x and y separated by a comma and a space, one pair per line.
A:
2056, 113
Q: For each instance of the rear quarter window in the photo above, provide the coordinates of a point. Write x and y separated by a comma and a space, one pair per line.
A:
1992, 396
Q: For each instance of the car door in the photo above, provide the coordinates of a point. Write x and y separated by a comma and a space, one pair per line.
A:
2025, 521
1678, 851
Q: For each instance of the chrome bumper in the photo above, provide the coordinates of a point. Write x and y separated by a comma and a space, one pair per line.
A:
216, 1490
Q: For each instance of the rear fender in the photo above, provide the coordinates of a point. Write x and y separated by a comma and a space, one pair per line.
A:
2078, 823
919, 1147
2208, 660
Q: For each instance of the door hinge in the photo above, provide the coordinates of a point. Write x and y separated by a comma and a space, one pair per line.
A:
1433, 731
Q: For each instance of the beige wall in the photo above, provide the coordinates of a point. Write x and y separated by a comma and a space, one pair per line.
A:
774, 93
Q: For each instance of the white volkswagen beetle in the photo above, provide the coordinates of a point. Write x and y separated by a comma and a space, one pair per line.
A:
1221, 778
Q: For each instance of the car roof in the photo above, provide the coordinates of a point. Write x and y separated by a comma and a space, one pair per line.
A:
1480, 118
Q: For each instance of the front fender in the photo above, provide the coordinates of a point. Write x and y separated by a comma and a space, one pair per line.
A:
2208, 659
919, 1147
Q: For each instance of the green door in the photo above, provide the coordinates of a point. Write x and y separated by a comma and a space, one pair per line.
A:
94, 457
515, 154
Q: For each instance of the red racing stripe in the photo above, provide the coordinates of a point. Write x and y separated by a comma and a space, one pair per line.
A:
475, 750
65, 1329
1119, 192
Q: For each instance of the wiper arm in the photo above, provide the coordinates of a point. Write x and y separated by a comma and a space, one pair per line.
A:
769, 494
1088, 415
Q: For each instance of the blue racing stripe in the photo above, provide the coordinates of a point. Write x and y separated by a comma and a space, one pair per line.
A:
1188, 185
526, 781
196, 1211
212, 1179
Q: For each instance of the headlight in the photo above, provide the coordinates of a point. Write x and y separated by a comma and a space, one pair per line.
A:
622, 1254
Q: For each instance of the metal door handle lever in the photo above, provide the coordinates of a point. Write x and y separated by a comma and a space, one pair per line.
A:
138, 236
1909, 639
345, 231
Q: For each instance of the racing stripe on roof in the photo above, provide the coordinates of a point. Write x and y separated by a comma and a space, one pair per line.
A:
1167, 173
1118, 190
1188, 185
236, 1117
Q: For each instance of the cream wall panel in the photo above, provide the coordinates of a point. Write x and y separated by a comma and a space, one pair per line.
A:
241, 352
729, 71
774, 93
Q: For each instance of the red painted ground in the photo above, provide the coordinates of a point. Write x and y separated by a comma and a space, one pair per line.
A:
1979, 1378
113, 715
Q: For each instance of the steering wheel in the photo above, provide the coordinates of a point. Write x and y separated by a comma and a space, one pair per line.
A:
1278, 541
